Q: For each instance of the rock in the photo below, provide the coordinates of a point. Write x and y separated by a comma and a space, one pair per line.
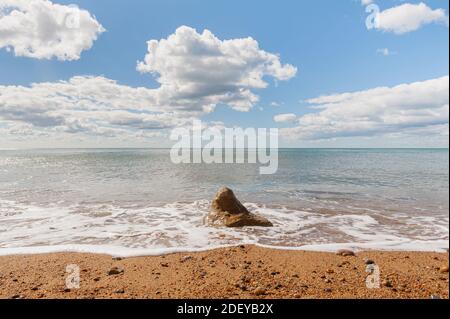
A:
345, 253
342, 264
387, 283
328, 290
369, 261
227, 210
435, 297
117, 258
164, 265
443, 269
119, 291
259, 291
245, 279
17, 297
115, 271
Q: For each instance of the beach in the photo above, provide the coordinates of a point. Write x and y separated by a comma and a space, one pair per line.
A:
69, 211
240, 272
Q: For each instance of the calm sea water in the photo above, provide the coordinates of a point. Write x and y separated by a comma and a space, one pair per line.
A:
128, 202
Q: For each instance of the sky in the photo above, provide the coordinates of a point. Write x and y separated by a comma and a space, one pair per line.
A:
327, 73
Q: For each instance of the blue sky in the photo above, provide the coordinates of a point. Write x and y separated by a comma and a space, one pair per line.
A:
326, 40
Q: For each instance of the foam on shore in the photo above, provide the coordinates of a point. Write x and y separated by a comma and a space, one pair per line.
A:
179, 227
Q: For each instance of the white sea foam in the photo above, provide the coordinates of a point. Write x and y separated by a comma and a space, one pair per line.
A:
179, 227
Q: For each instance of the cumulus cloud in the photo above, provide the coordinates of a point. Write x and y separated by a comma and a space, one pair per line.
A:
43, 30
416, 106
92, 105
409, 17
285, 118
196, 72
198, 69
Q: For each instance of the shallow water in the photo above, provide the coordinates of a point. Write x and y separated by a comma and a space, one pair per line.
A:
131, 202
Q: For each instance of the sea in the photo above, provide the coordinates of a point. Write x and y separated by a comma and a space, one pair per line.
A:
134, 202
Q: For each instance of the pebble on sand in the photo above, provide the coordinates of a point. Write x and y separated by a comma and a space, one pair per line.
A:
345, 253
259, 291
369, 261
115, 271
443, 269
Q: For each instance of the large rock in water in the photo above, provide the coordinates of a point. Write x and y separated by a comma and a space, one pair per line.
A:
227, 210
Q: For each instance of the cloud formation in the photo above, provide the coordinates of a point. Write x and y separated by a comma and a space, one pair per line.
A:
183, 62
409, 17
43, 30
416, 106
91, 105
366, 2
285, 118
196, 73
199, 70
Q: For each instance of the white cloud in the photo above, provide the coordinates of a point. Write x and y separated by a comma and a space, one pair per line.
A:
200, 69
385, 110
91, 105
409, 17
276, 104
196, 73
366, 2
285, 118
43, 30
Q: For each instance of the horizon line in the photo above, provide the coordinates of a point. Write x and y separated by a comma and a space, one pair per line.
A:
168, 148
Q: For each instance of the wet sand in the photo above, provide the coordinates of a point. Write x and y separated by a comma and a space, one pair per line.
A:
238, 272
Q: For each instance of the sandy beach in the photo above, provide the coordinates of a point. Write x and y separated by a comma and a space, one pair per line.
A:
237, 272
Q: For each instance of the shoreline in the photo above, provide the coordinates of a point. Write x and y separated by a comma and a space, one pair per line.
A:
437, 246
246, 271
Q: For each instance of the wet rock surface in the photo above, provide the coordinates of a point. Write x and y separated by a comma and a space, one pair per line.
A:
227, 210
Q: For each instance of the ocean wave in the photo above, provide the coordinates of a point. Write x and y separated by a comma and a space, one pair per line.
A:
133, 230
